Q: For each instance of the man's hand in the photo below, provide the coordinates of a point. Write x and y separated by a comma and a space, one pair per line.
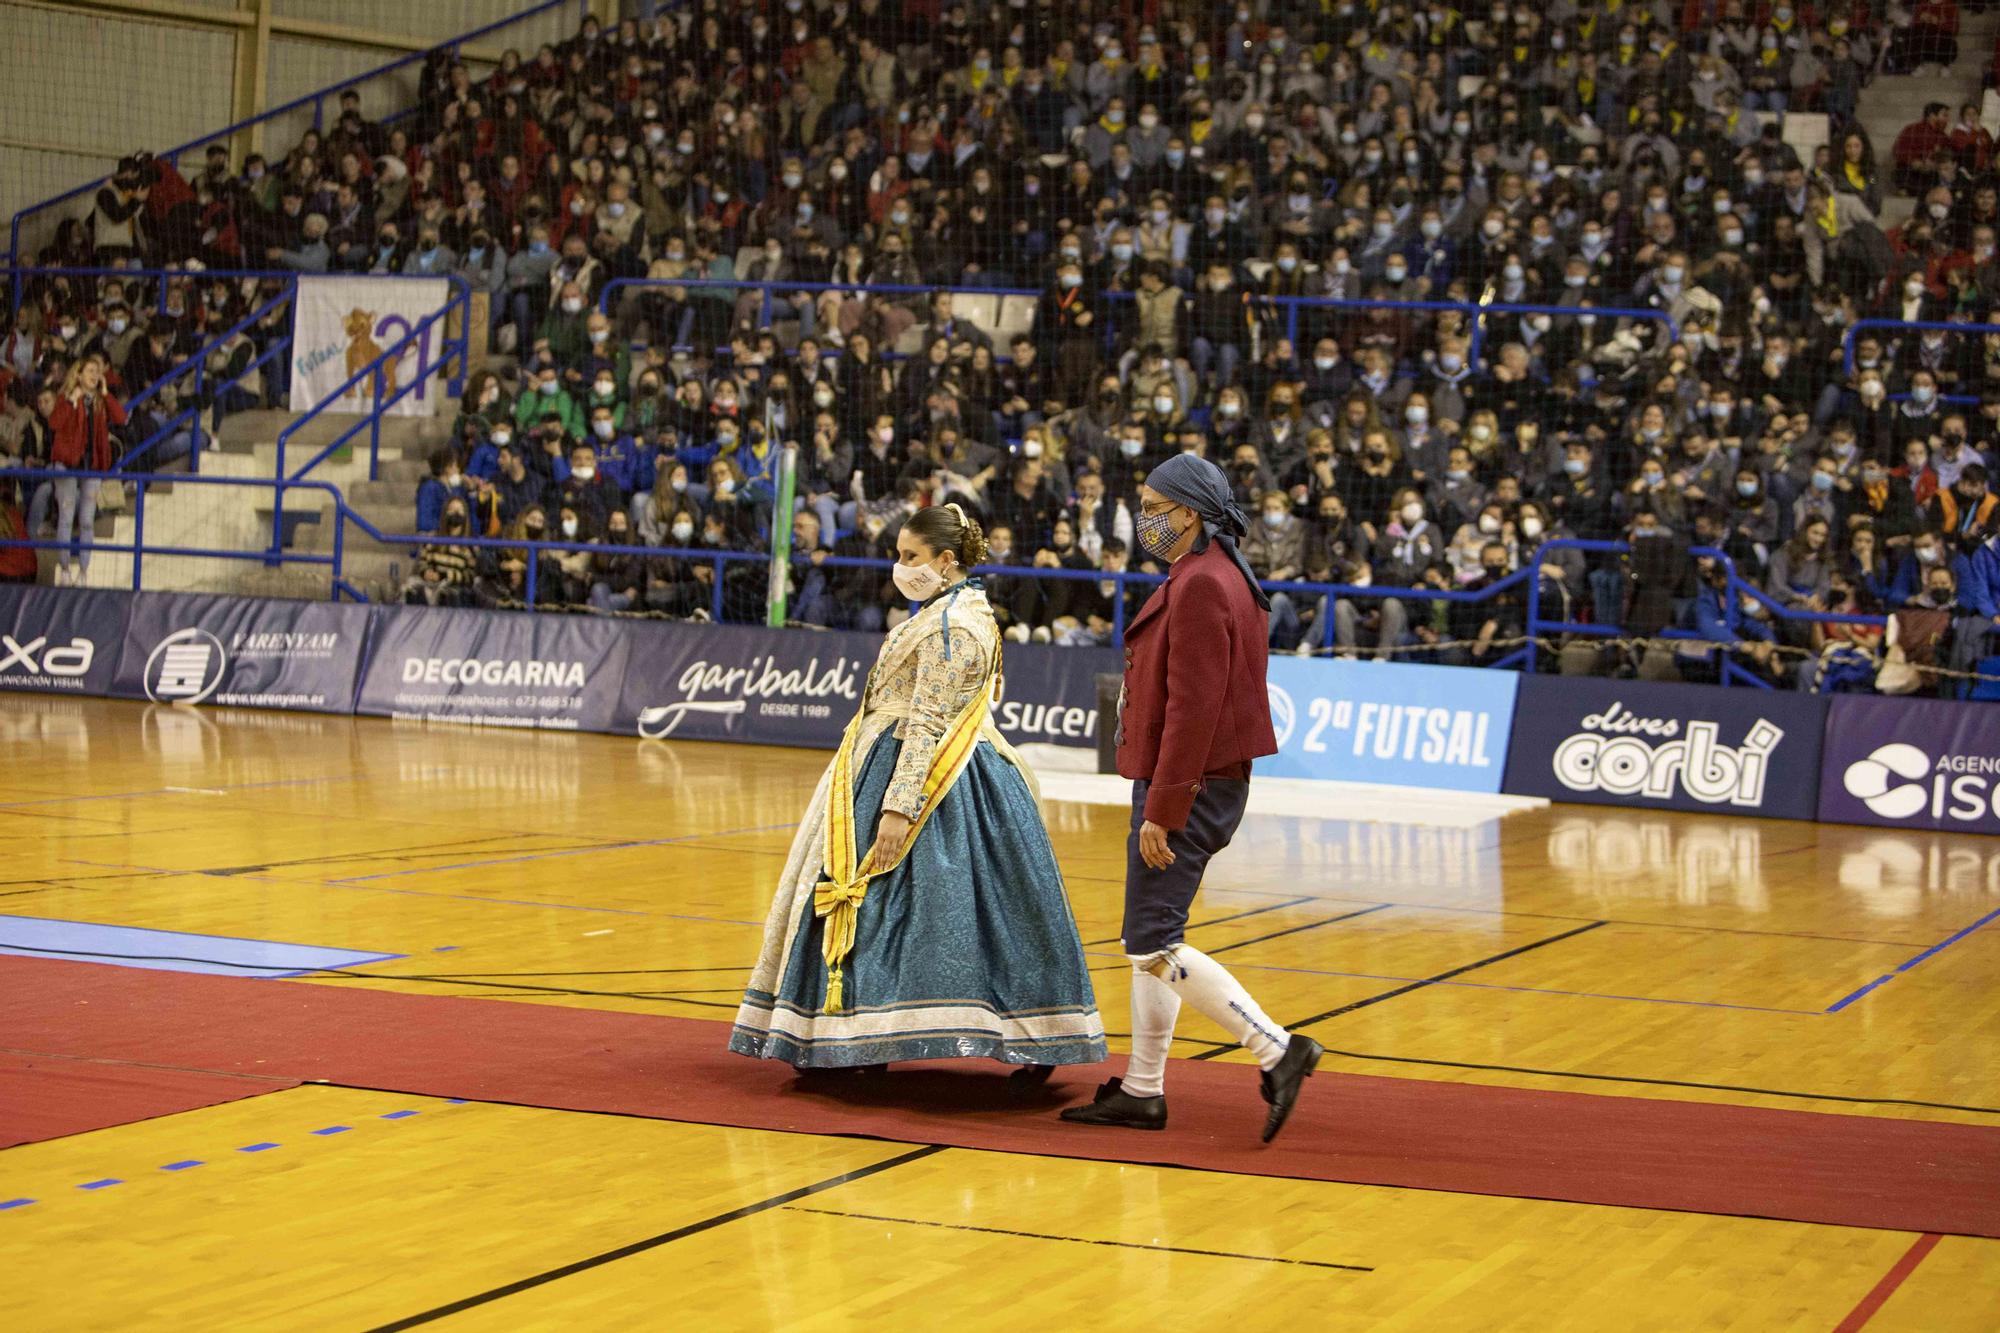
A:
1153, 849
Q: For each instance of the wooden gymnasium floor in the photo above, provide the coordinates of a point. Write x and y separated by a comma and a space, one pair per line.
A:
605, 874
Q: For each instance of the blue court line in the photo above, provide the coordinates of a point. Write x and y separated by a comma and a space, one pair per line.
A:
172, 950
1525, 990
1939, 947
568, 851
191, 1163
5, 1204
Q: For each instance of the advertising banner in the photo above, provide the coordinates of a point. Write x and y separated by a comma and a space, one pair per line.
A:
495, 669
341, 324
1049, 695
1661, 746
738, 683
1401, 723
1911, 763
795, 687
60, 641
248, 651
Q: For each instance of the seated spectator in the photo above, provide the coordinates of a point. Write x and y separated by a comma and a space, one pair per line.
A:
445, 484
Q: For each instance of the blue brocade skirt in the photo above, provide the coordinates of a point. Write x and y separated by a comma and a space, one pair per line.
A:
967, 949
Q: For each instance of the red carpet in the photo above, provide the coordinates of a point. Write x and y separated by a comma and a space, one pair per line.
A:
1643, 1153
43, 1097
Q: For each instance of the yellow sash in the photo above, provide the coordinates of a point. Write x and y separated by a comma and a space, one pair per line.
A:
837, 898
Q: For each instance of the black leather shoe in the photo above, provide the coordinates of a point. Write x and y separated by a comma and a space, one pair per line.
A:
1281, 1085
1115, 1106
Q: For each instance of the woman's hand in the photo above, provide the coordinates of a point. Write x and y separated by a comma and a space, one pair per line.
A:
890, 835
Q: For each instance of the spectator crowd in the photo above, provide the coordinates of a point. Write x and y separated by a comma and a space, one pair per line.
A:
1267, 232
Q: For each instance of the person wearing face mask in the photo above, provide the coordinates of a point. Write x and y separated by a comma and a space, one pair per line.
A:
586, 491
563, 340
1966, 512
1484, 631
1220, 326
543, 397
571, 569
444, 485
884, 920
1275, 548
621, 462
1193, 715
1720, 615
1066, 322
445, 570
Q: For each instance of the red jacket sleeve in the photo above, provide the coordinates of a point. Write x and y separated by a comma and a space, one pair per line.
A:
1198, 655
67, 446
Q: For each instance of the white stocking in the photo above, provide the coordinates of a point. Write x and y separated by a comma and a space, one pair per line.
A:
1154, 1009
1207, 985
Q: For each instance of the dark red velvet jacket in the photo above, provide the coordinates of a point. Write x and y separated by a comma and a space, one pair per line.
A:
1195, 700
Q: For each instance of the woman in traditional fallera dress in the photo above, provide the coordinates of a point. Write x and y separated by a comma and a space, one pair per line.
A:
921, 915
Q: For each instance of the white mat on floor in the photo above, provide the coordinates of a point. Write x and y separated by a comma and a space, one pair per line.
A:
1299, 798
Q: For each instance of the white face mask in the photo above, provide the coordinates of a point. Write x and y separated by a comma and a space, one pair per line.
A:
452, 480
1531, 527
1413, 514
573, 306
683, 533
604, 429
919, 583
725, 487
584, 472
569, 527
502, 438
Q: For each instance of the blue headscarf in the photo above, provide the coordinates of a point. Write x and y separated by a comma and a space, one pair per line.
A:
1191, 480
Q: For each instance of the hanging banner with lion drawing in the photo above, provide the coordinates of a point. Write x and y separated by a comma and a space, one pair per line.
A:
344, 325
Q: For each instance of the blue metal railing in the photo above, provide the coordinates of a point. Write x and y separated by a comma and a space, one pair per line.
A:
1731, 671
137, 547
373, 376
1290, 306
1525, 657
315, 100
198, 366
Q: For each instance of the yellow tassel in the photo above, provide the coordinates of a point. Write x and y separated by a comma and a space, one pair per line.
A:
833, 991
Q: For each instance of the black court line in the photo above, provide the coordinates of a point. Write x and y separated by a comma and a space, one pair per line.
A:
1085, 1240
1447, 975
1200, 925
654, 1242
1661, 1082
1608, 920
1310, 925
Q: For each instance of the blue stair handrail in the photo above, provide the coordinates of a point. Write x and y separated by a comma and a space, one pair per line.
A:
450, 349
